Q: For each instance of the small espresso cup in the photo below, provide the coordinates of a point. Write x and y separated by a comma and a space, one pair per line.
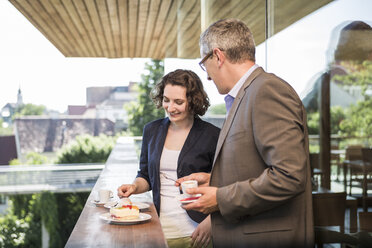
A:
104, 195
188, 185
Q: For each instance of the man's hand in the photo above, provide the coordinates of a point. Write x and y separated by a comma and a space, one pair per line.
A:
202, 178
207, 203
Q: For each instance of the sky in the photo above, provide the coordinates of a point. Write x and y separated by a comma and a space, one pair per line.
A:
29, 61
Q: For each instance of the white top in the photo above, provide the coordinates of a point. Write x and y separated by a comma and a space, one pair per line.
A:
174, 220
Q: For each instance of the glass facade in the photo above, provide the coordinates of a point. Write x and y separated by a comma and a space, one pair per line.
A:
333, 40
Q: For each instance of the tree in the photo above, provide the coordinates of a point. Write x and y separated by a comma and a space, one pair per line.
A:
87, 149
29, 109
358, 118
337, 116
218, 109
143, 110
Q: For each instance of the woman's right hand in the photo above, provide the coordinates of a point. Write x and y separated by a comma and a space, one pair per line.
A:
125, 190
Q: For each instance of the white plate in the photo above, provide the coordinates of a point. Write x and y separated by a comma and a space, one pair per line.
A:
181, 199
140, 205
98, 204
142, 218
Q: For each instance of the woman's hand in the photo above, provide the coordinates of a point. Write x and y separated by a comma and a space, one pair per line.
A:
138, 186
202, 234
125, 190
202, 178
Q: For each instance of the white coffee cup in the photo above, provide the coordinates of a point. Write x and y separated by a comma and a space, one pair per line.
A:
104, 195
188, 185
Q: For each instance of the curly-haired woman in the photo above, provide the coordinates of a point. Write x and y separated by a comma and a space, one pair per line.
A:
174, 147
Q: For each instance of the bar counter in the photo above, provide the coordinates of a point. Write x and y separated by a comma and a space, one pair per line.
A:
91, 231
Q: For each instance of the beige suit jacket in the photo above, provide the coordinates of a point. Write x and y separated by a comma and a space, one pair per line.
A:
261, 168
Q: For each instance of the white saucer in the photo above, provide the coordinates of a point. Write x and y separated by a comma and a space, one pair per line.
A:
97, 203
188, 200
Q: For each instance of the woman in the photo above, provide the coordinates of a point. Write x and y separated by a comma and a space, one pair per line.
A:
172, 148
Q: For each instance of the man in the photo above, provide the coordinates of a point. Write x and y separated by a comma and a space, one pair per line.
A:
259, 192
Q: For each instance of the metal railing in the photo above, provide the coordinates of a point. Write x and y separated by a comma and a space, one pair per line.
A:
28, 179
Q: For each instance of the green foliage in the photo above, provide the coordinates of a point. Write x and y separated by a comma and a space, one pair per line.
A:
337, 116
359, 120
36, 158
87, 149
143, 110
70, 207
21, 226
29, 109
48, 204
358, 74
15, 161
218, 109
32, 158
12, 231
313, 122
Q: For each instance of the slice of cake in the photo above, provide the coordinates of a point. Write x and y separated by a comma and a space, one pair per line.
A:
125, 211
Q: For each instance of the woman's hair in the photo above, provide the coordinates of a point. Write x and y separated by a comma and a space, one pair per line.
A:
197, 98
231, 36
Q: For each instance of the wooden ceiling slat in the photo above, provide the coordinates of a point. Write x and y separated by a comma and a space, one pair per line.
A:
123, 21
160, 23
143, 12
150, 25
160, 46
62, 47
252, 16
85, 18
170, 47
115, 26
188, 26
133, 10
217, 9
106, 26
67, 10
93, 13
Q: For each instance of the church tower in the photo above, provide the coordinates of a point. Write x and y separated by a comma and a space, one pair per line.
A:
19, 97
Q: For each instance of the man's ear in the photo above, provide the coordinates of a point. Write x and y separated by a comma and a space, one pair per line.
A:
220, 56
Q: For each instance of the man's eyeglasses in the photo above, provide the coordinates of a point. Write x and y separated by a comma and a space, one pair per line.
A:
201, 63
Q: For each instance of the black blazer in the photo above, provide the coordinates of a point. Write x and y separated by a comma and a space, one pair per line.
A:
196, 155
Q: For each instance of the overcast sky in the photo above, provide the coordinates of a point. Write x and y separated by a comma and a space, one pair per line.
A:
29, 60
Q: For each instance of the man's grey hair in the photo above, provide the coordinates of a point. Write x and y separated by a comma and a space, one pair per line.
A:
232, 36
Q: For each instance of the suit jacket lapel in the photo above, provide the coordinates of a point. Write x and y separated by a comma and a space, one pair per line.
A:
230, 117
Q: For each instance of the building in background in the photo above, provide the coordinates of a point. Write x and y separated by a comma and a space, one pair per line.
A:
107, 102
45, 134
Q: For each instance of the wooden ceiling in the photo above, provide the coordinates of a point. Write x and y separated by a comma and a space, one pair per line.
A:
150, 28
